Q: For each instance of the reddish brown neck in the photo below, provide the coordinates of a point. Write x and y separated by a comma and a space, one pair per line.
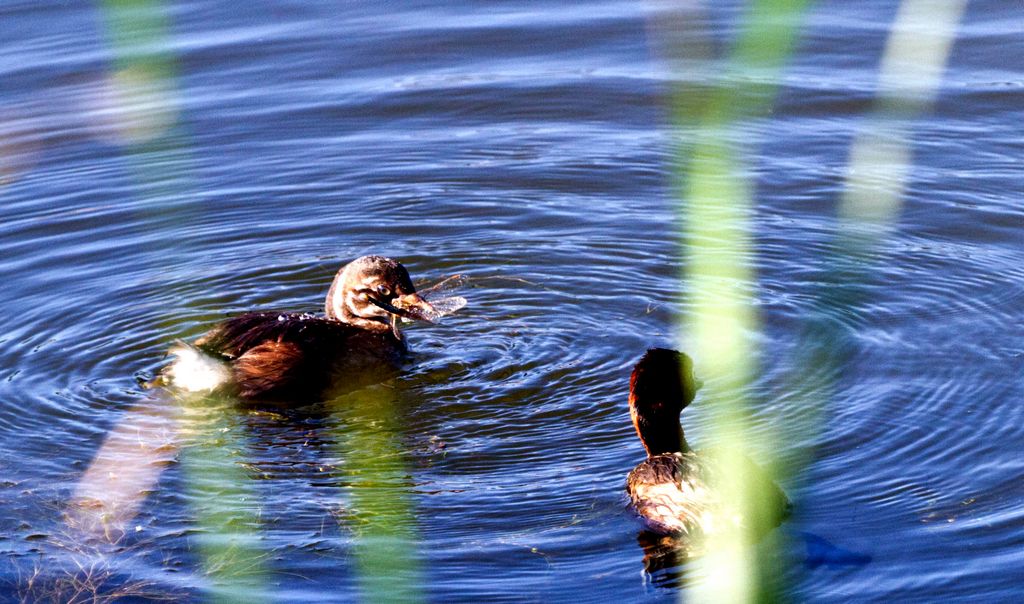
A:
659, 431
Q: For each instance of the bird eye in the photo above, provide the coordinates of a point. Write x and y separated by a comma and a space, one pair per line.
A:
384, 290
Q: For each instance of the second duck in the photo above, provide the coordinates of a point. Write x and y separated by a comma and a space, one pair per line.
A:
677, 491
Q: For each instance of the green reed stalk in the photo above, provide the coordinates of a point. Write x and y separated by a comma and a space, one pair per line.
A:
224, 500
380, 489
140, 95
718, 205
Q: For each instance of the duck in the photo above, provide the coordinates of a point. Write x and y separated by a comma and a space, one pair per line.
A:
292, 356
677, 492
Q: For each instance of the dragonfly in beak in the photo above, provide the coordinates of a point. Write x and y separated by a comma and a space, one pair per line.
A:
409, 306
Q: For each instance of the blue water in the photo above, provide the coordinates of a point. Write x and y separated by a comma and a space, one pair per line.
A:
166, 166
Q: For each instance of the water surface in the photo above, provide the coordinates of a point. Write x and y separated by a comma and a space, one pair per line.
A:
164, 167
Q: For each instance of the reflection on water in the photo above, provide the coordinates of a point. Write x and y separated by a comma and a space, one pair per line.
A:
124, 471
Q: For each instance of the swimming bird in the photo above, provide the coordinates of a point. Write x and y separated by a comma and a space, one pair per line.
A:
677, 491
290, 356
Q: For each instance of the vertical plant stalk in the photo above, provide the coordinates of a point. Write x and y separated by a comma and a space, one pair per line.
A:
879, 166
224, 501
717, 207
382, 516
141, 111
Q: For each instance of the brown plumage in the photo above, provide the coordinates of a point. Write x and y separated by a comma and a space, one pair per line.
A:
677, 491
271, 355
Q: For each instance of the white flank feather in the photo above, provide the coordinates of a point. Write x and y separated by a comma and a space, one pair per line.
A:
195, 371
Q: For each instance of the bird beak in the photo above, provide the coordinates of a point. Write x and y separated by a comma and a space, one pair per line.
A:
415, 307
410, 306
